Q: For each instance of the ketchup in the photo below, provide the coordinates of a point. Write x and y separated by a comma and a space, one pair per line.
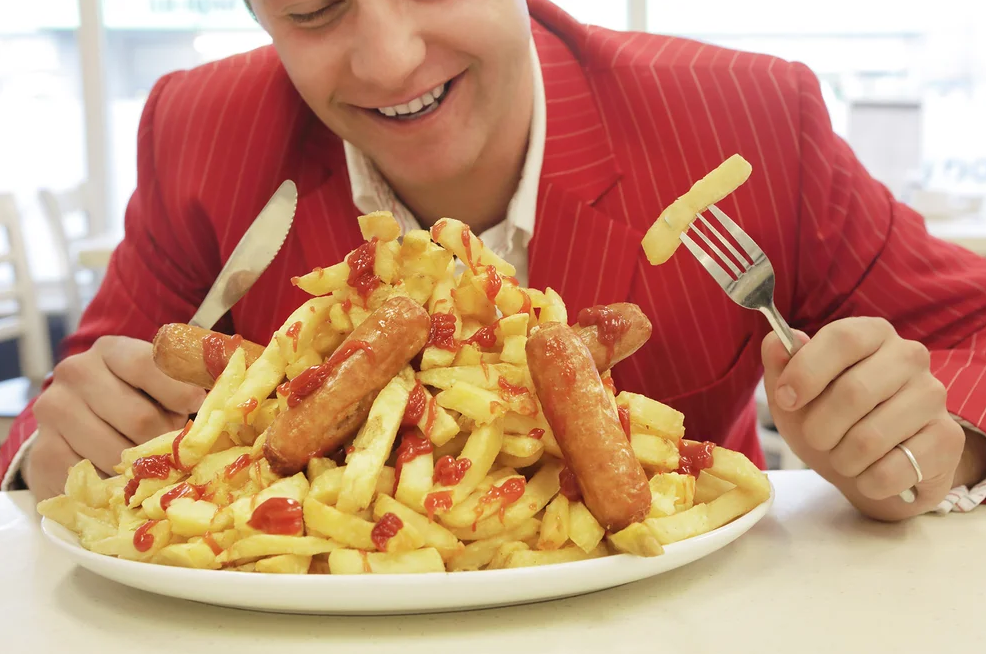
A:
385, 529
360, 263
412, 446
278, 515
624, 419
294, 331
569, 485
248, 407
610, 384
416, 403
508, 492
508, 390
610, 325
143, 539
693, 458
526, 306
181, 490
436, 230
157, 466
485, 337
536, 433
312, 379
211, 542
432, 414
439, 502
175, 446
449, 471
284, 389
347, 304
239, 465
216, 350
467, 244
441, 334
493, 283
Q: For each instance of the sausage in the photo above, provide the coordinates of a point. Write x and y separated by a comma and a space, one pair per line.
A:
197, 356
328, 404
612, 332
587, 427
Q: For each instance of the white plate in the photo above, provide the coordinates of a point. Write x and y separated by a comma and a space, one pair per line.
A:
396, 594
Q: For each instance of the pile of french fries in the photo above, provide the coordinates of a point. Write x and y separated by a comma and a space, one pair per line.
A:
480, 406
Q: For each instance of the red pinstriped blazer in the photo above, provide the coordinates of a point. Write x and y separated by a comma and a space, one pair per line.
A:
633, 121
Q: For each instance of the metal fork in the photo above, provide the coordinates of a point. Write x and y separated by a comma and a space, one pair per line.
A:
751, 286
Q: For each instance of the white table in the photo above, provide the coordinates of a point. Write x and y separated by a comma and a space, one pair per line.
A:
812, 576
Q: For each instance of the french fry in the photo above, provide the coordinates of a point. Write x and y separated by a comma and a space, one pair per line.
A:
354, 562
555, 525
198, 556
479, 553
486, 377
327, 486
503, 552
448, 233
636, 539
380, 225
651, 417
673, 528
654, 452
708, 487
480, 503
373, 444
287, 564
530, 558
735, 468
333, 524
481, 449
520, 451
671, 492
432, 533
664, 236
541, 488
262, 545
583, 528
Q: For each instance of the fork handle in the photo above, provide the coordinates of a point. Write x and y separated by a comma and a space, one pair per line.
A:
781, 328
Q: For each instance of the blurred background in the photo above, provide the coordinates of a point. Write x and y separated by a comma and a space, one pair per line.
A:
905, 82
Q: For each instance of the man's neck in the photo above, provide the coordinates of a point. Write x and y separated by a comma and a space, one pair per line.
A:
481, 196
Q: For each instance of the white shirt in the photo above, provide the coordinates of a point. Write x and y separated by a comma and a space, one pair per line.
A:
509, 239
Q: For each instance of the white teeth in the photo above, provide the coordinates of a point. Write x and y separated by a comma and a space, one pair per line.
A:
425, 101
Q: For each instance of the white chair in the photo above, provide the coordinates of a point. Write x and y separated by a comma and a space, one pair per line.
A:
20, 318
68, 220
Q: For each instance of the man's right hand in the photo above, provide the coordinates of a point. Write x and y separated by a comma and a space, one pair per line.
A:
101, 402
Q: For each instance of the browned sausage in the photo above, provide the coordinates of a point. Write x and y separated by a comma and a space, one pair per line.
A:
327, 404
612, 332
197, 356
587, 427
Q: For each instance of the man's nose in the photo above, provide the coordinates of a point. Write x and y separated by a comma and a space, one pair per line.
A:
388, 46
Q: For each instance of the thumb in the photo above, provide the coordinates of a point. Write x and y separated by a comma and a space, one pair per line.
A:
775, 359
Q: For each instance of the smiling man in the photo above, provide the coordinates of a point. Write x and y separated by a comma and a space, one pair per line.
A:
559, 144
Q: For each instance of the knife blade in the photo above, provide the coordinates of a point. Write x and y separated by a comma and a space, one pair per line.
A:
251, 256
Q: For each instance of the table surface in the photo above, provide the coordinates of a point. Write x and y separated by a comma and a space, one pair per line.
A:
812, 576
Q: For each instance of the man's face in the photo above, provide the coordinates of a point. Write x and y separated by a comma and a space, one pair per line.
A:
421, 86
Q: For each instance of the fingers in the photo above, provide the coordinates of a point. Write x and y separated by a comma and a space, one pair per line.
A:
835, 348
855, 394
48, 463
132, 361
126, 410
890, 423
935, 448
63, 412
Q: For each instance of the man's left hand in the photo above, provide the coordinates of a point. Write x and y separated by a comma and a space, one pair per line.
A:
848, 397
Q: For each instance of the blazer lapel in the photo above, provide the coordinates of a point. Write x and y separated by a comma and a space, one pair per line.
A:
586, 256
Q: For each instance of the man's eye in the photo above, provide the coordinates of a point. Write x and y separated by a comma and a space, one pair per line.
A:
303, 19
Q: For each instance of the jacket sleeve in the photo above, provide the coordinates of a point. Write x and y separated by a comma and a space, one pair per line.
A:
864, 253
163, 267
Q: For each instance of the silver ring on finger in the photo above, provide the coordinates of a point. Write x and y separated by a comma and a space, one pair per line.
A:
914, 462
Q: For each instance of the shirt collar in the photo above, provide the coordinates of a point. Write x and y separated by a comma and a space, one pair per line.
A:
371, 192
